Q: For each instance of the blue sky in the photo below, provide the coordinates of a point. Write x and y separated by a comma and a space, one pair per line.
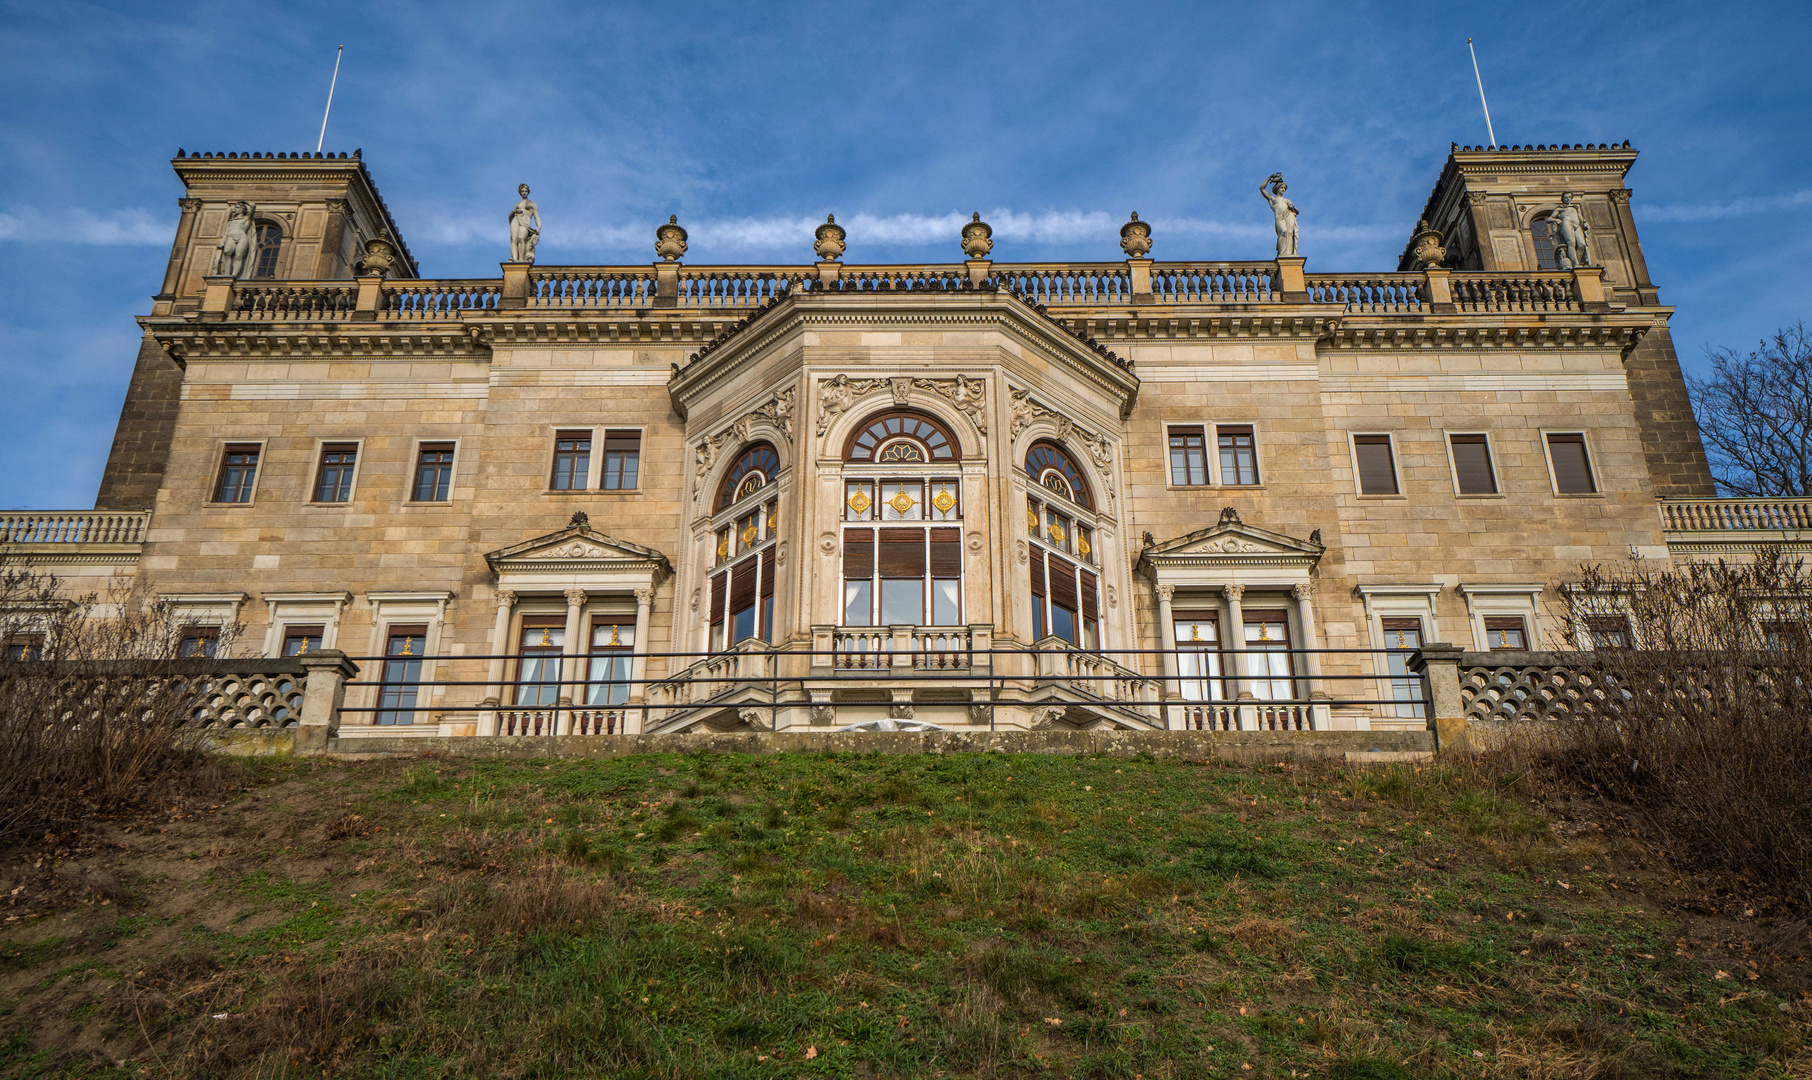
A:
752, 121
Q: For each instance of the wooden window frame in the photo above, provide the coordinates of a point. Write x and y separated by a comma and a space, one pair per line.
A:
603, 456
584, 483
293, 630
198, 632
1250, 428
222, 449
352, 486
1184, 430
1396, 465
1453, 465
1591, 462
415, 466
1501, 619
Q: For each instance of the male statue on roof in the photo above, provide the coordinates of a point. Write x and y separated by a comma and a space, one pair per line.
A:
1571, 234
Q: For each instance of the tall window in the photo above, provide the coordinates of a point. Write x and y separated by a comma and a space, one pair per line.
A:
538, 672
434, 472
1572, 467
397, 693
1542, 231
270, 242
302, 639
238, 472
1402, 637
622, 460
1065, 587
1188, 459
1269, 669
747, 526
1377, 469
198, 642
1472, 473
333, 475
572, 460
1239, 457
903, 537
1198, 637
612, 643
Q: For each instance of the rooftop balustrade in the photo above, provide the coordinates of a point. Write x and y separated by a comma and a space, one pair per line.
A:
74, 527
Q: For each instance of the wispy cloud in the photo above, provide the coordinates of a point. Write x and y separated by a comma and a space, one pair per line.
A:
1747, 206
114, 229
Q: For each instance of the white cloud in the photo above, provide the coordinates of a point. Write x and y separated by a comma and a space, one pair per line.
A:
128, 228
1746, 206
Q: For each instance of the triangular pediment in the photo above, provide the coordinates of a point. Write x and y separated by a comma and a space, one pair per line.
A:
1228, 540
577, 543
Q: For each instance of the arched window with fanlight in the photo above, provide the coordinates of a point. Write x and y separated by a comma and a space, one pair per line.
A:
902, 533
269, 244
1065, 579
1542, 231
746, 519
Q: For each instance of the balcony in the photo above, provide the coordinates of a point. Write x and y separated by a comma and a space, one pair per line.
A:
1730, 528
73, 537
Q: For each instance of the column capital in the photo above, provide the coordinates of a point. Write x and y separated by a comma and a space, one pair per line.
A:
1303, 590
575, 597
644, 595
1233, 592
1165, 592
506, 598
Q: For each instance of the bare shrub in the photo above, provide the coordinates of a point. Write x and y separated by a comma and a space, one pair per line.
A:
95, 707
1706, 732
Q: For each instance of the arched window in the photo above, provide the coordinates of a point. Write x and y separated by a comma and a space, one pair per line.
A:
270, 241
1066, 587
743, 553
1542, 230
901, 438
903, 535
754, 470
1050, 468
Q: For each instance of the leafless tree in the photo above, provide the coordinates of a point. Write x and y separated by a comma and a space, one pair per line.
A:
1755, 414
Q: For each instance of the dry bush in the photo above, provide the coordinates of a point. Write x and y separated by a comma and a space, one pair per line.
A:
1705, 729
95, 710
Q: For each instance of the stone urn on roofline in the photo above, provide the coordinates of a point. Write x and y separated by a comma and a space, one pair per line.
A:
1135, 237
828, 239
670, 239
978, 237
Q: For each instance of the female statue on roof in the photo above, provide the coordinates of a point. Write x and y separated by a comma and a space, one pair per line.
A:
1284, 211
525, 228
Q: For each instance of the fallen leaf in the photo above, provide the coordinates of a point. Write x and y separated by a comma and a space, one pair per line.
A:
811, 1052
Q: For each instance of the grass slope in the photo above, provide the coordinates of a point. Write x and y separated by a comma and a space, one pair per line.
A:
898, 916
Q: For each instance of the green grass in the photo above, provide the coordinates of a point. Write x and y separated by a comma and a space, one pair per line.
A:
898, 916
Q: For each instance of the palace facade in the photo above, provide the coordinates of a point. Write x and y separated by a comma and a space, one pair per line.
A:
1140, 494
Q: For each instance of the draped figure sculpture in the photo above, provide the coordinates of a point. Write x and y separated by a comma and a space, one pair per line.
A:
238, 242
1571, 234
525, 228
1284, 211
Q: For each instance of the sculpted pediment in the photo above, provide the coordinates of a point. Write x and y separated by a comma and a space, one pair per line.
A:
578, 543
1232, 540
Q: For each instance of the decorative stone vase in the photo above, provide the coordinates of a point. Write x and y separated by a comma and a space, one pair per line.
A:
828, 239
978, 237
1135, 238
380, 256
670, 239
1425, 247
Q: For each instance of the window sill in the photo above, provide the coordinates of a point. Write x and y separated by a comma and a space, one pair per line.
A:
1230, 489
428, 502
1381, 498
1579, 494
229, 505
1480, 496
571, 492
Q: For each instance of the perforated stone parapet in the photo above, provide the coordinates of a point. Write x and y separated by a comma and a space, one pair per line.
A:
1510, 687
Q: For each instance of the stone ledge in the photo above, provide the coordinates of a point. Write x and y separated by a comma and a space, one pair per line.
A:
1185, 745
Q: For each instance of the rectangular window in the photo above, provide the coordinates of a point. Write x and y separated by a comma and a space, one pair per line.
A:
1401, 638
743, 581
238, 471
1198, 637
301, 639
1506, 633
1608, 631
622, 460
720, 594
1239, 457
612, 642
1188, 459
403, 650
858, 576
333, 476
1572, 468
946, 577
24, 646
1472, 465
572, 460
538, 668
1038, 594
434, 472
198, 642
1268, 668
1377, 471
900, 564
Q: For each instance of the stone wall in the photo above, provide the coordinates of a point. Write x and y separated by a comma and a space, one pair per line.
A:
1670, 435
141, 443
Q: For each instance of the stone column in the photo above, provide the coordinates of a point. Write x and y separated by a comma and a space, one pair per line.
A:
1236, 654
1439, 666
1311, 640
323, 693
570, 660
179, 252
500, 644
638, 662
1167, 635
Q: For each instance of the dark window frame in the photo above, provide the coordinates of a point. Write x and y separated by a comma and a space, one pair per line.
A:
1502, 624
241, 475
267, 248
1375, 439
340, 473
294, 631
572, 460
1463, 471
440, 488
1562, 476
622, 469
1223, 432
198, 632
1191, 459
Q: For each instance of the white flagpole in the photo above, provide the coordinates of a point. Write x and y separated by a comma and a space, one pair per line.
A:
336, 82
1475, 77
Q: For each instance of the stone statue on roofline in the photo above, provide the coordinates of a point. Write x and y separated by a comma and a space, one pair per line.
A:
1571, 234
1284, 211
238, 242
525, 228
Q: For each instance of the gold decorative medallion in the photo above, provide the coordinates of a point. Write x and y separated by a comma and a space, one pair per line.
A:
901, 502
723, 547
860, 502
1032, 521
749, 534
1082, 547
944, 502
1057, 533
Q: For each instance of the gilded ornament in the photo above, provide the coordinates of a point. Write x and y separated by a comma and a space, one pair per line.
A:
944, 502
901, 502
1057, 533
860, 502
749, 534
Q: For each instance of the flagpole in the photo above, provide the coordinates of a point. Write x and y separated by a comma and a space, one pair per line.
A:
1475, 77
336, 82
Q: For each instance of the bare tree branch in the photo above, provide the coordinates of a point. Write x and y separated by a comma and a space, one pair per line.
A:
1755, 414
